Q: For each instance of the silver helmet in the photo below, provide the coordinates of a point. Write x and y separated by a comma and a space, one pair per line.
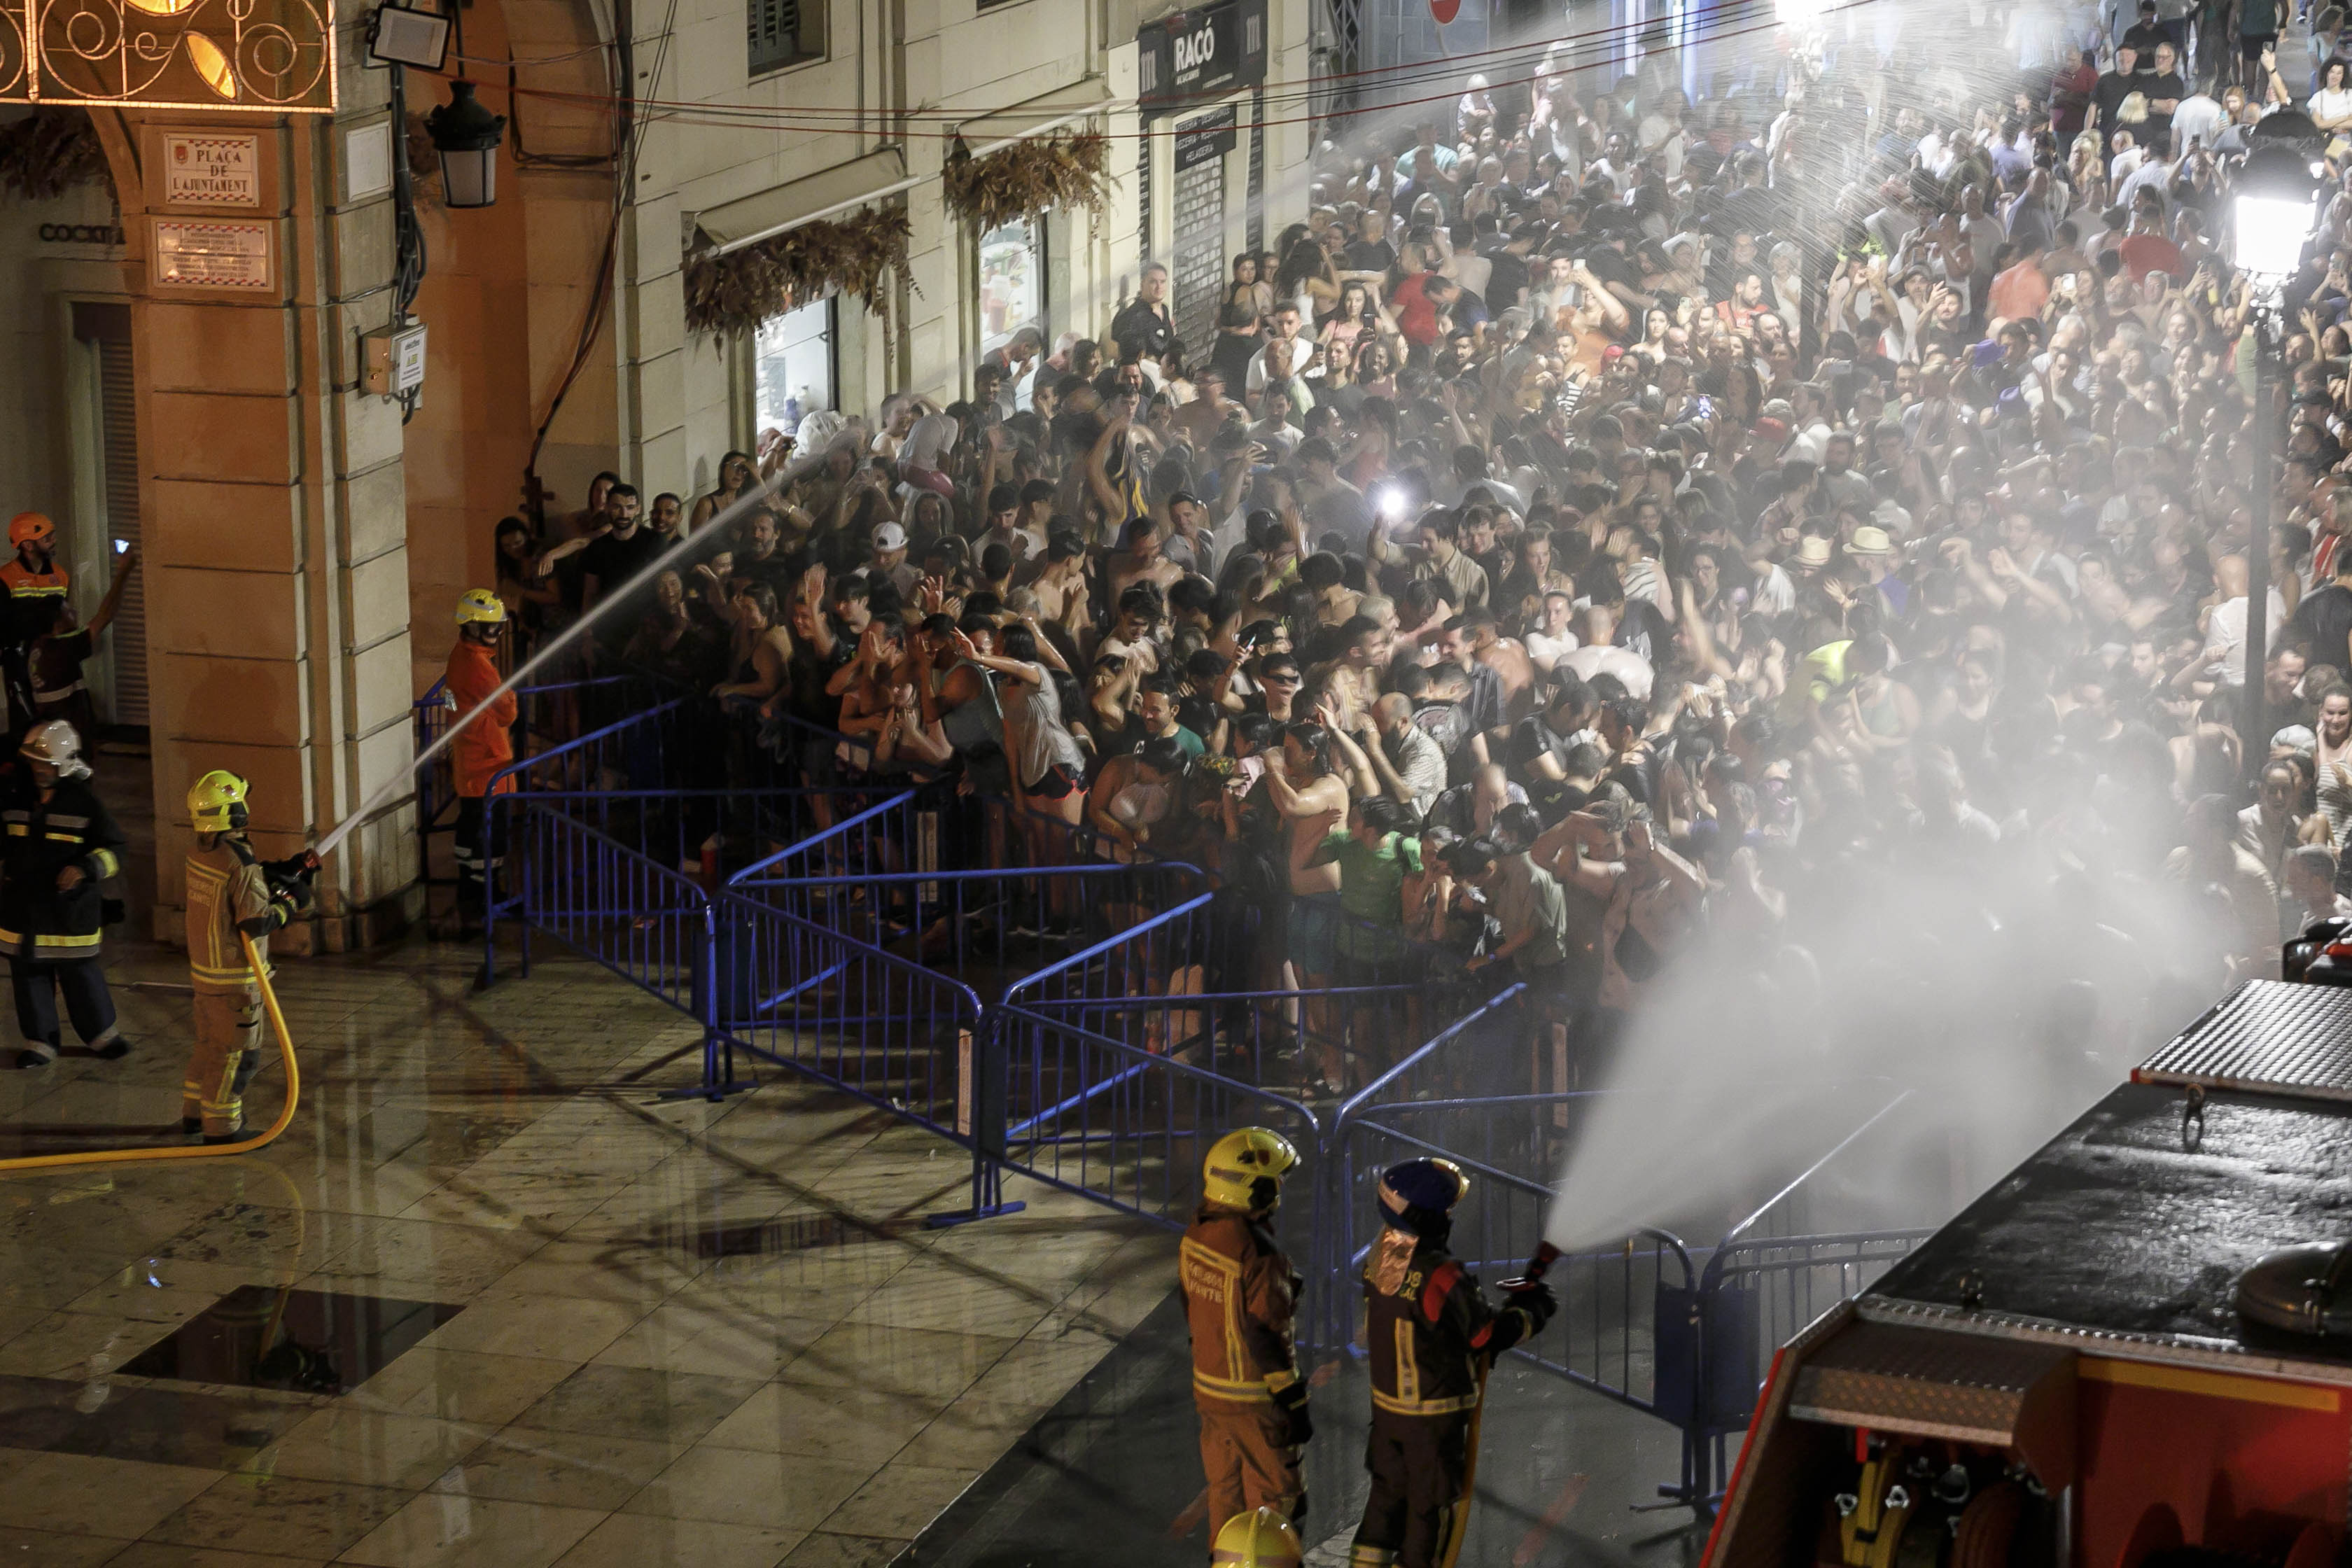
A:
53, 744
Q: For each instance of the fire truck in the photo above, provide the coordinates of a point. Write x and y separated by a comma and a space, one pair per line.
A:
2134, 1350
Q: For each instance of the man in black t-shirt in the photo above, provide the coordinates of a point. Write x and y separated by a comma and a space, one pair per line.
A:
1371, 251
2108, 97
1143, 324
2325, 618
2142, 37
611, 562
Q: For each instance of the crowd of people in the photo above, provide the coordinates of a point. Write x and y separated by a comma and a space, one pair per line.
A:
1615, 521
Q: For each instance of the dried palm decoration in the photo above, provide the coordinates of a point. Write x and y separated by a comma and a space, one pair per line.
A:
1013, 183
863, 254
49, 152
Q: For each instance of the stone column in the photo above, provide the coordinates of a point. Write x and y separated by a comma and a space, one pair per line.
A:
272, 494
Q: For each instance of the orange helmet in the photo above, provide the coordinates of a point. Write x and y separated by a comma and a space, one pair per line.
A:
26, 526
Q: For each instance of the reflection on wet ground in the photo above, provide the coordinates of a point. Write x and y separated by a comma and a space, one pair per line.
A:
315, 1341
569, 1322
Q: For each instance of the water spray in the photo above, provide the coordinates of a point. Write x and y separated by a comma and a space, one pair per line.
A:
398, 787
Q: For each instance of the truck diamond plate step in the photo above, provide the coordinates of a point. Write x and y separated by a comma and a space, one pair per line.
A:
2267, 1036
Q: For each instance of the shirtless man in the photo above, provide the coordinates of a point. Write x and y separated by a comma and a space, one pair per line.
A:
1307, 788
1507, 658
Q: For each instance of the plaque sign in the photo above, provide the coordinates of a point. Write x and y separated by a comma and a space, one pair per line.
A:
220, 255
212, 171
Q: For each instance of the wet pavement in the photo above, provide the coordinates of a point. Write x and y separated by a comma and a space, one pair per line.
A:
571, 1322
1112, 1475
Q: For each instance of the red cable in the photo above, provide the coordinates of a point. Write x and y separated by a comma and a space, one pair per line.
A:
749, 116
744, 115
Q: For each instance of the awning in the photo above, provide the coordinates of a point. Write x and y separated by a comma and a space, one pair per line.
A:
985, 132
754, 217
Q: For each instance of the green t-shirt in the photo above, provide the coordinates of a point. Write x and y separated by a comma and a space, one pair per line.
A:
1371, 876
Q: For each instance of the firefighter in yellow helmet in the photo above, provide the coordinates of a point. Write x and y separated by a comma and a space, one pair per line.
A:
230, 890
1260, 1539
1240, 1296
483, 748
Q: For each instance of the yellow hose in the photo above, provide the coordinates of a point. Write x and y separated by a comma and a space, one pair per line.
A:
198, 1151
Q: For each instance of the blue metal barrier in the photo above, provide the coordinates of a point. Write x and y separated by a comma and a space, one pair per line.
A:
1777, 1270
1095, 1115
1266, 1039
646, 923
888, 1031
986, 925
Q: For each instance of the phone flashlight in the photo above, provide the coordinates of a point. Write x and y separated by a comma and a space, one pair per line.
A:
1390, 499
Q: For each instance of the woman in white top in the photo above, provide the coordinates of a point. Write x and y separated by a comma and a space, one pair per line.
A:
2331, 107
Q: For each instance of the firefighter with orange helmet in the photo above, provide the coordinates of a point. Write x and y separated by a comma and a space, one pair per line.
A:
1241, 1294
483, 747
35, 586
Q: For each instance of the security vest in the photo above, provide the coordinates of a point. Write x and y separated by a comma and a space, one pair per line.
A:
483, 747
1240, 1297
1428, 1329
30, 593
227, 893
42, 838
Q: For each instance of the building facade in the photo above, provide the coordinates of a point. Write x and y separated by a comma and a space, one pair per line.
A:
305, 539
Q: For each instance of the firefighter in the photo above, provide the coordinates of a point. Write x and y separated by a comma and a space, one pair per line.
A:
1431, 1336
59, 844
1240, 1294
483, 747
1260, 1539
35, 584
230, 890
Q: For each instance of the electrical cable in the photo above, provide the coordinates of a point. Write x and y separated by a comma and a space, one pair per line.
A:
748, 116
628, 143
1450, 64
199, 1151
409, 258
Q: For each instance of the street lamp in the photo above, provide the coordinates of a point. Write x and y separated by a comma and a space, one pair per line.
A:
466, 135
2272, 218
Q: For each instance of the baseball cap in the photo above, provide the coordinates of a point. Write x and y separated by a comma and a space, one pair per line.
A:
889, 536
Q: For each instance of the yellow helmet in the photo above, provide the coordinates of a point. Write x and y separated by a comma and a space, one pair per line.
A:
480, 607
216, 802
1245, 1169
1260, 1539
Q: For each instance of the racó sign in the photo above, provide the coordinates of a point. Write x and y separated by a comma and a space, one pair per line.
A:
1192, 56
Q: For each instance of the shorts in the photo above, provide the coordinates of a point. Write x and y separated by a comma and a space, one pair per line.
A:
2252, 45
1314, 932
1060, 782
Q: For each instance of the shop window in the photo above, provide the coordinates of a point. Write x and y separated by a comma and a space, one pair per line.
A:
792, 367
785, 33
1011, 283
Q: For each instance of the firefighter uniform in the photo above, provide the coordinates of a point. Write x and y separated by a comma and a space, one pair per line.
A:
483, 747
229, 891
1431, 1335
1240, 1297
56, 824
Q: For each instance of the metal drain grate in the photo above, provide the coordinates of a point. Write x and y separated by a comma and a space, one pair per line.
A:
2266, 1037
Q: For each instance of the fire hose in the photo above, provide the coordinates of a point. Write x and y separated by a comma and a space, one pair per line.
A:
199, 1151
